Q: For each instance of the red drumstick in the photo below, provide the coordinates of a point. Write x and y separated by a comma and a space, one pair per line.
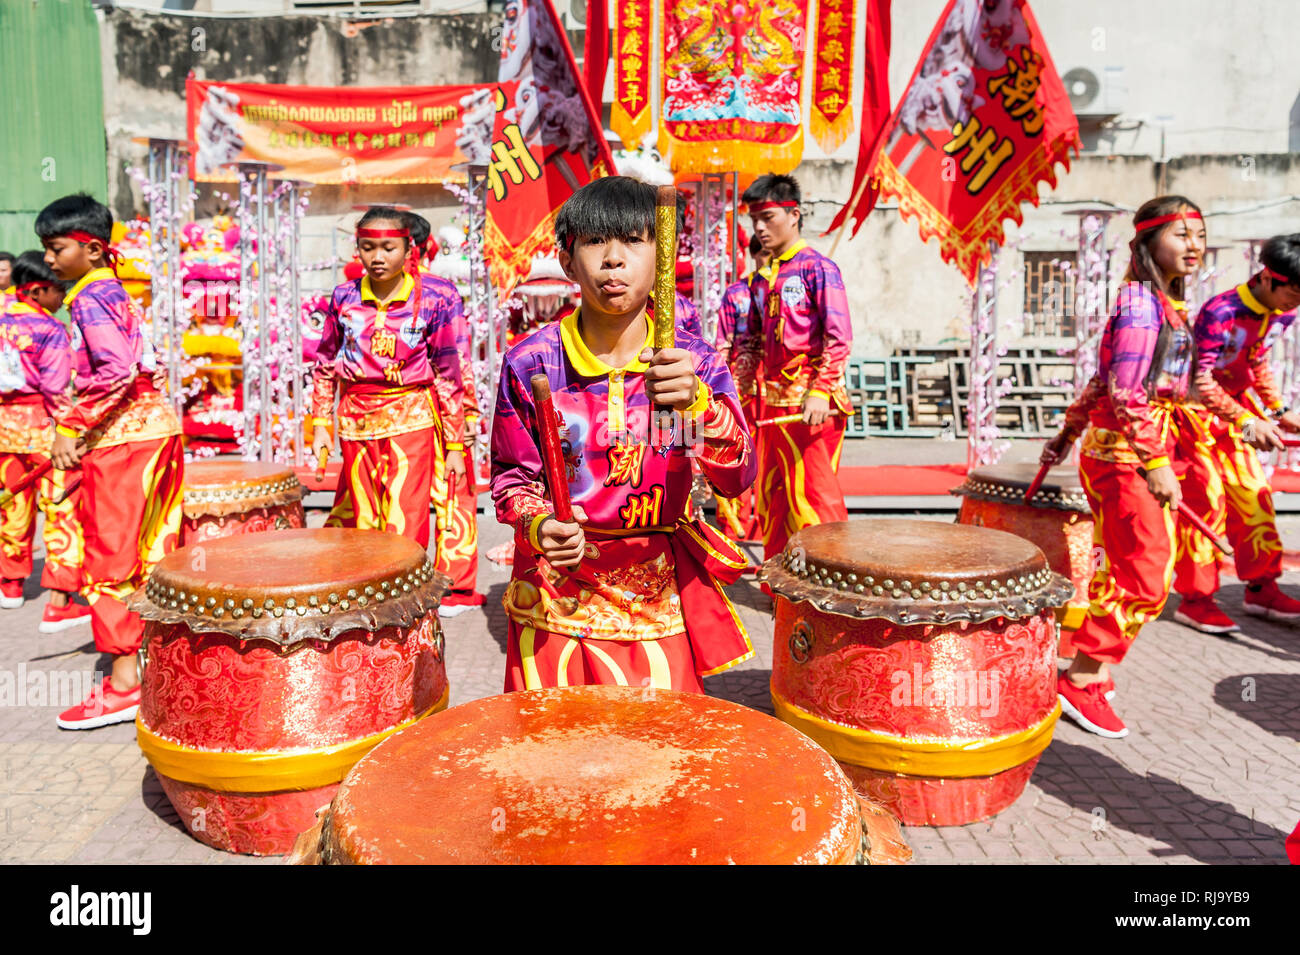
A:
1037, 482
26, 481
1191, 517
552, 455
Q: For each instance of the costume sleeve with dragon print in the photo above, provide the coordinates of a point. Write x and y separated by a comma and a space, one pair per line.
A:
322, 372
721, 442
445, 313
518, 489
103, 315
837, 330
1135, 333
1211, 331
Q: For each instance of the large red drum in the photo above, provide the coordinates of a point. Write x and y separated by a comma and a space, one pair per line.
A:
1058, 520
223, 498
600, 774
273, 662
922, 656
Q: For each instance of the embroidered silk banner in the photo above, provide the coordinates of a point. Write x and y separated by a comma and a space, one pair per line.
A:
830, 118
630, 115
731, 85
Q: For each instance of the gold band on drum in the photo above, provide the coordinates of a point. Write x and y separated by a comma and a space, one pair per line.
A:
263, 772
941, 758
1071, 616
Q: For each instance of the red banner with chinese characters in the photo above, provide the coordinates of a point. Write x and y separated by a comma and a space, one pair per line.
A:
830, 118
327, 134
546, 142
983, 121
731, 85
633, 46
875, 114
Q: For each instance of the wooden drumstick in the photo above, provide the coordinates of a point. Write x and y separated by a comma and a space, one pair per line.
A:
321, 460
26, 481
788, 419
1192, 518
552, 453
1037, 482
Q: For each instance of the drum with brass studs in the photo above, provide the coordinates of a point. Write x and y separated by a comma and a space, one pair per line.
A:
1058, 520
273, 662
596, 775
223, 498
922, 656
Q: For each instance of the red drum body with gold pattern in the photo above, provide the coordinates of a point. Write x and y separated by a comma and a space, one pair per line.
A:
922, 656
596, 775
273, 663
1058, 520
224, 498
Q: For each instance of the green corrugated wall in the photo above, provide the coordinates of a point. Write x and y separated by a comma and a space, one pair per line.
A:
52, 104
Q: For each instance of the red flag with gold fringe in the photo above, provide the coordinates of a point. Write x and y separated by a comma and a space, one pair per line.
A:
546, 143
983, 121
830, 117
875, 114
731, 85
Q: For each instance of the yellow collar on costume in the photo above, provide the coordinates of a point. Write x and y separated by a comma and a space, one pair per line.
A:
23, 308
1251, 302
11, 290
94, 275
582, 357
769, 271
403, 293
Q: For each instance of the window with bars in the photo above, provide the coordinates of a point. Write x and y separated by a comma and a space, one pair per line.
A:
1049, 294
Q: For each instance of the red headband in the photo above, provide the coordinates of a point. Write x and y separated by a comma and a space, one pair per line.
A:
773, 204
384, 234
27, 286
1161, 220
110, 253
1277, 279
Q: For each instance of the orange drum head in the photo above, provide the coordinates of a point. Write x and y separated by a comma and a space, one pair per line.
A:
293, 584
594, 775
1061, 488
912, 571
218, 488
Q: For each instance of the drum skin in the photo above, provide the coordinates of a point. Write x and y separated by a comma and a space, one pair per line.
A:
251, 723
938, 709
1059, 521
595, 775
225, 498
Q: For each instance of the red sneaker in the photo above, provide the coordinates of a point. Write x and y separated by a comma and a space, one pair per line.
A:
61, 618
1087, 706
103, 707
1203, 614
11, 594
1268, 601
458, 601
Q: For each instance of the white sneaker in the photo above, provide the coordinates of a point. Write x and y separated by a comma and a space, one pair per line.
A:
10, 603
456, 610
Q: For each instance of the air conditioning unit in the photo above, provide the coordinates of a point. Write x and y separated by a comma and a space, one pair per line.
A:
1096, 97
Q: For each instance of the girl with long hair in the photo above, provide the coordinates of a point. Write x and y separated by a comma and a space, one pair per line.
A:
1134, 410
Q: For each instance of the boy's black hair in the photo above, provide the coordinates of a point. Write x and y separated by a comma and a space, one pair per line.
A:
7, 257
755, 246
615, 207
1281, 254
76, 213
773, 188
31, 267
384, 214
419, 228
